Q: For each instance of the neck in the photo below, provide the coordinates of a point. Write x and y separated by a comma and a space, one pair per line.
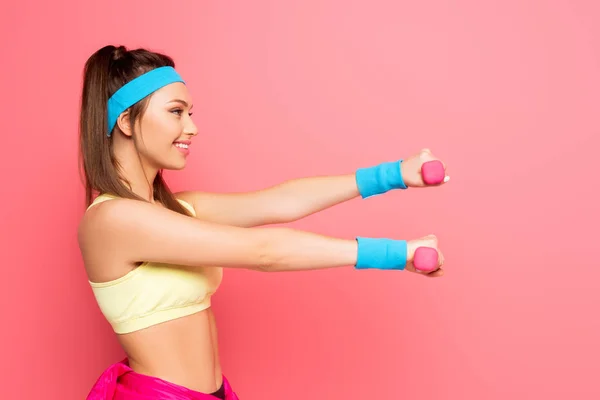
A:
135, 172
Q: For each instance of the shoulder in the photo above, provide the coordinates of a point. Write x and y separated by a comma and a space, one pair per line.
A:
116, 215
107, 215
118, 219
102, 234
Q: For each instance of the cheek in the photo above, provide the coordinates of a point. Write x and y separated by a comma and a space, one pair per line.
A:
167, 127
159, 133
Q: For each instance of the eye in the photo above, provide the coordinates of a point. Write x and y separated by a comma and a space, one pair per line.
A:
179, 111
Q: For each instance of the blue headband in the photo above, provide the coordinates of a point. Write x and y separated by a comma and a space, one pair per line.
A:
137, 89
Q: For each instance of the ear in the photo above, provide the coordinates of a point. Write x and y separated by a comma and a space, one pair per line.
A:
123, 123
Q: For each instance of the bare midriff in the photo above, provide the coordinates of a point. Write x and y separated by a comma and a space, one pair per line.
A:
183, 351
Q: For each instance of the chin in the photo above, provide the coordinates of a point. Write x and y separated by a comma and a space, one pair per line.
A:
175, 166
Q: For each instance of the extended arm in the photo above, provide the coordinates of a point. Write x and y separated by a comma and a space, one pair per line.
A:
132, 231
286, 202
298, 198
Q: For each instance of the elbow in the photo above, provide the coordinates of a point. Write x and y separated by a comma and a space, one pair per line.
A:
266, 262
263, 268
269, 258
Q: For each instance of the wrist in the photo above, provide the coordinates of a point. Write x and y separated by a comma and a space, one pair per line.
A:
379, 179
381, 253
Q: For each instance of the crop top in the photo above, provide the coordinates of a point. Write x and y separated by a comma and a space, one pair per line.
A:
153, 293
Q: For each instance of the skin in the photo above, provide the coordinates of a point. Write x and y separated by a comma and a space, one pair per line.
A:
228, 231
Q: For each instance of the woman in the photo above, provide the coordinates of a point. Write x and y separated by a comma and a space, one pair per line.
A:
154, 258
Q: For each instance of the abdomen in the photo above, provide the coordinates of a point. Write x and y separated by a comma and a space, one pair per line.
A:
183, 351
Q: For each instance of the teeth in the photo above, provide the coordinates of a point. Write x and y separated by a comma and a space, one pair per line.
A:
183, 146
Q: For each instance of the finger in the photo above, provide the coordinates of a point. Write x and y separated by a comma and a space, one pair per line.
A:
435, 274
426, 273
418, 271
431, 240
426, 156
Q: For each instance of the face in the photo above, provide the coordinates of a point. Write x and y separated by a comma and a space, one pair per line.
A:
166, 129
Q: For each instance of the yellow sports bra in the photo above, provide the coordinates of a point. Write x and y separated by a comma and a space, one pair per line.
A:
153, 293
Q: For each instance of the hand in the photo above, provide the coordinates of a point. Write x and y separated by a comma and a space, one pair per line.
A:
411, 169
426, 241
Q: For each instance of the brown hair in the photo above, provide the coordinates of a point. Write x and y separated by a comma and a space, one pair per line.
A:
105, 72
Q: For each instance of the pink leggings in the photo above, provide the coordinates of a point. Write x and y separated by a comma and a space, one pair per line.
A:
120, 382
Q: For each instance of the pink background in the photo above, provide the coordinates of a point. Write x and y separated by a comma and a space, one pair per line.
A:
506, 92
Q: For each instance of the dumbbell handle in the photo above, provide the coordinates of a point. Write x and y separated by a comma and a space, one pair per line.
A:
426, 259
433, 172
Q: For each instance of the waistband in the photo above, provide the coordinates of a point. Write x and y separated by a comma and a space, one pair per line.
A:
120, 382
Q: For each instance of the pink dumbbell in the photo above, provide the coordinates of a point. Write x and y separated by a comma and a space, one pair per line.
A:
426, 258
433, 172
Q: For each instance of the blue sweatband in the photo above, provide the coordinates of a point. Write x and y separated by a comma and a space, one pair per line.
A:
381, 253
379, 179
137, 89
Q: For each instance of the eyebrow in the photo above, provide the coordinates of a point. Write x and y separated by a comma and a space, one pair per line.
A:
182, 102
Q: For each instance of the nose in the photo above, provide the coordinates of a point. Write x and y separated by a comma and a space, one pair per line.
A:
190, 128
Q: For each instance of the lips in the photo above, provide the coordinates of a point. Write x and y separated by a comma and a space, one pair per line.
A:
183, 145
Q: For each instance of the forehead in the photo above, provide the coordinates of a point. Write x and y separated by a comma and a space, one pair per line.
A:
171, 92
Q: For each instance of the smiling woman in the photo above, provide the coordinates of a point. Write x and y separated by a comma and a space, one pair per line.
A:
154, 258
129, 133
